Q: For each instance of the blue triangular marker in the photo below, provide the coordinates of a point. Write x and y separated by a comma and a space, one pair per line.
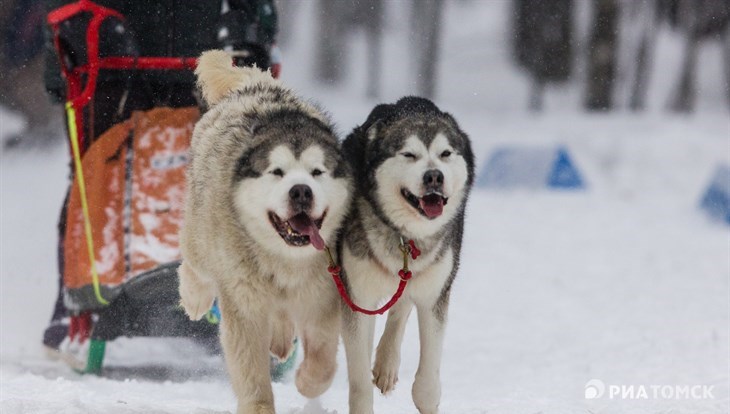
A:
564, 174
716, 200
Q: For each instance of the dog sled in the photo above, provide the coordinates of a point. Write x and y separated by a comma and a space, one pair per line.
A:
120, 246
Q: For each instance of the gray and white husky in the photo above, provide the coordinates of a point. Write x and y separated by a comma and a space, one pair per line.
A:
414, 169
266, 183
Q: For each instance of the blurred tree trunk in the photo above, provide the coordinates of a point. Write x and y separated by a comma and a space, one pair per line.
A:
542, 35
686, 92
331, 45
337, 19
537, 94
602, 55
373, 14
647, 14
426, 21
701, 20
288, 13
726, 55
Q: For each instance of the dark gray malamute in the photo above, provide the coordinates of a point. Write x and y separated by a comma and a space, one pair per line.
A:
414, 168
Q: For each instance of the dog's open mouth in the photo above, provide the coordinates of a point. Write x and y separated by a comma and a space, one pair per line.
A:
430, 205
299, 230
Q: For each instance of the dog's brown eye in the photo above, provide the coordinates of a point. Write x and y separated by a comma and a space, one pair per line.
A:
445, 154
409, 155
278, 172
317, 172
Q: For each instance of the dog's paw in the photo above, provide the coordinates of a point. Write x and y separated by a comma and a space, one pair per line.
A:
385, 372
196, 297
313, 378
426, 393
256, 408
196, 303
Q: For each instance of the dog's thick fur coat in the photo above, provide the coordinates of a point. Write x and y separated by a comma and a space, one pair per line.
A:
414, 169
262, 158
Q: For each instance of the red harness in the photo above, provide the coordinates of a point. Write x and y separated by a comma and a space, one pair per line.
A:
404, 274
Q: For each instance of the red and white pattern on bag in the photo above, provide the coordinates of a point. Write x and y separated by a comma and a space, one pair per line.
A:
135, 192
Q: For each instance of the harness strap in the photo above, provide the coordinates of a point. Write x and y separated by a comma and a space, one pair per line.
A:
335, 271
404, 274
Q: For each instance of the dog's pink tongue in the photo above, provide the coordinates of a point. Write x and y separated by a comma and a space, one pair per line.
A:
432, 205
304, 225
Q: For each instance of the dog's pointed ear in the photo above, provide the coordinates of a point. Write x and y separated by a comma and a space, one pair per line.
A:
354, 149
217, 76
451, 121
372, 131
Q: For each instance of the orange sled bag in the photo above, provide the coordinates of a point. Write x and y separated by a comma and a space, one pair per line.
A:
135, 186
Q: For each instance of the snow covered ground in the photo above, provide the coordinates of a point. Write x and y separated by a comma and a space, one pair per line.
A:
627, 282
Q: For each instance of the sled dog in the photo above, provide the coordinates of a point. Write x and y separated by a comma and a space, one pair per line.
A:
267, 188
414, 169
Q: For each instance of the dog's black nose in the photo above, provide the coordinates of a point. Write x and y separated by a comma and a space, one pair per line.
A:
301, 197
433, 179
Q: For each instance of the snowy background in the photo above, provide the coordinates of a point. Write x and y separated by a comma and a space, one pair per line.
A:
626, 282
